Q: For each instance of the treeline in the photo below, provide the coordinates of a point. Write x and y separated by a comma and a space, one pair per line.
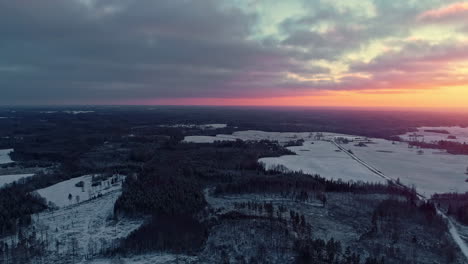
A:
169, 188
159, 194
389, 213
296, 182
456, 205
16, 207
168, 233
173, 203
455, 148
329, 252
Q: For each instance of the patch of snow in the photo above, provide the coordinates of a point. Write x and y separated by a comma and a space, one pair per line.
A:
428, 134
77, 112
322, 157
206, 139
58, 194
429, 171
48, 112
256, 135
5, 156
7, 179
154, 258
90, 224
203, 126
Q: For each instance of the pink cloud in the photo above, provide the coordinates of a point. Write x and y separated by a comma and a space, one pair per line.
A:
453, 11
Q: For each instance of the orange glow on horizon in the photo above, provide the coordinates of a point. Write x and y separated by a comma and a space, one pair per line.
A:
444, 98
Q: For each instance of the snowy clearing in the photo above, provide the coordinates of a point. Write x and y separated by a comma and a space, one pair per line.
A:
5, 156
77, 112
205, 139
7, 179
431, 171
203, 126
322, 157
87, 229
436, 134
59, 193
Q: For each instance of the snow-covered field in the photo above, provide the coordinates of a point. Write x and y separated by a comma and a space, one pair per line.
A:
251, 135
6, 179
322, 157
203, 126
86, 228
429, 134
58, 194
77, 112
207, 139
5, 156
432, 171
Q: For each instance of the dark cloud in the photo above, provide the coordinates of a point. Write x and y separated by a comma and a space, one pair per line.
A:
120, 49
55, 51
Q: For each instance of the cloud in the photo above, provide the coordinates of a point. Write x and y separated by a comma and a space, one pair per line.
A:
450, 12
114, 50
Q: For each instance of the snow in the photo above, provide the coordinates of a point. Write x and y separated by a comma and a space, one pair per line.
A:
3, 117
78, 112
7, 179
322, 157
205, 139
431, 172
90, 224
202, 126
5, 156
461, 134
154, 258
250, 135
58, 194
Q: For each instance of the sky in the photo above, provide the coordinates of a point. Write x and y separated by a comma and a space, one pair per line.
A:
356, 53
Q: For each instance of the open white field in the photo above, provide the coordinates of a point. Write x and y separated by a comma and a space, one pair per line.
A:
253, 135
324, 158
59, 193
5, 156
7, 179
203, 126
434, 171
430, 134
87, 228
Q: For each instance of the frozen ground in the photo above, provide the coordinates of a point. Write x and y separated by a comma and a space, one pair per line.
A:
58, 194
77, 112
87, 228
206, 139
431, 171
155, 258
6, 179
428, 134
203, 126
254, 135
5, 156
324, 158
